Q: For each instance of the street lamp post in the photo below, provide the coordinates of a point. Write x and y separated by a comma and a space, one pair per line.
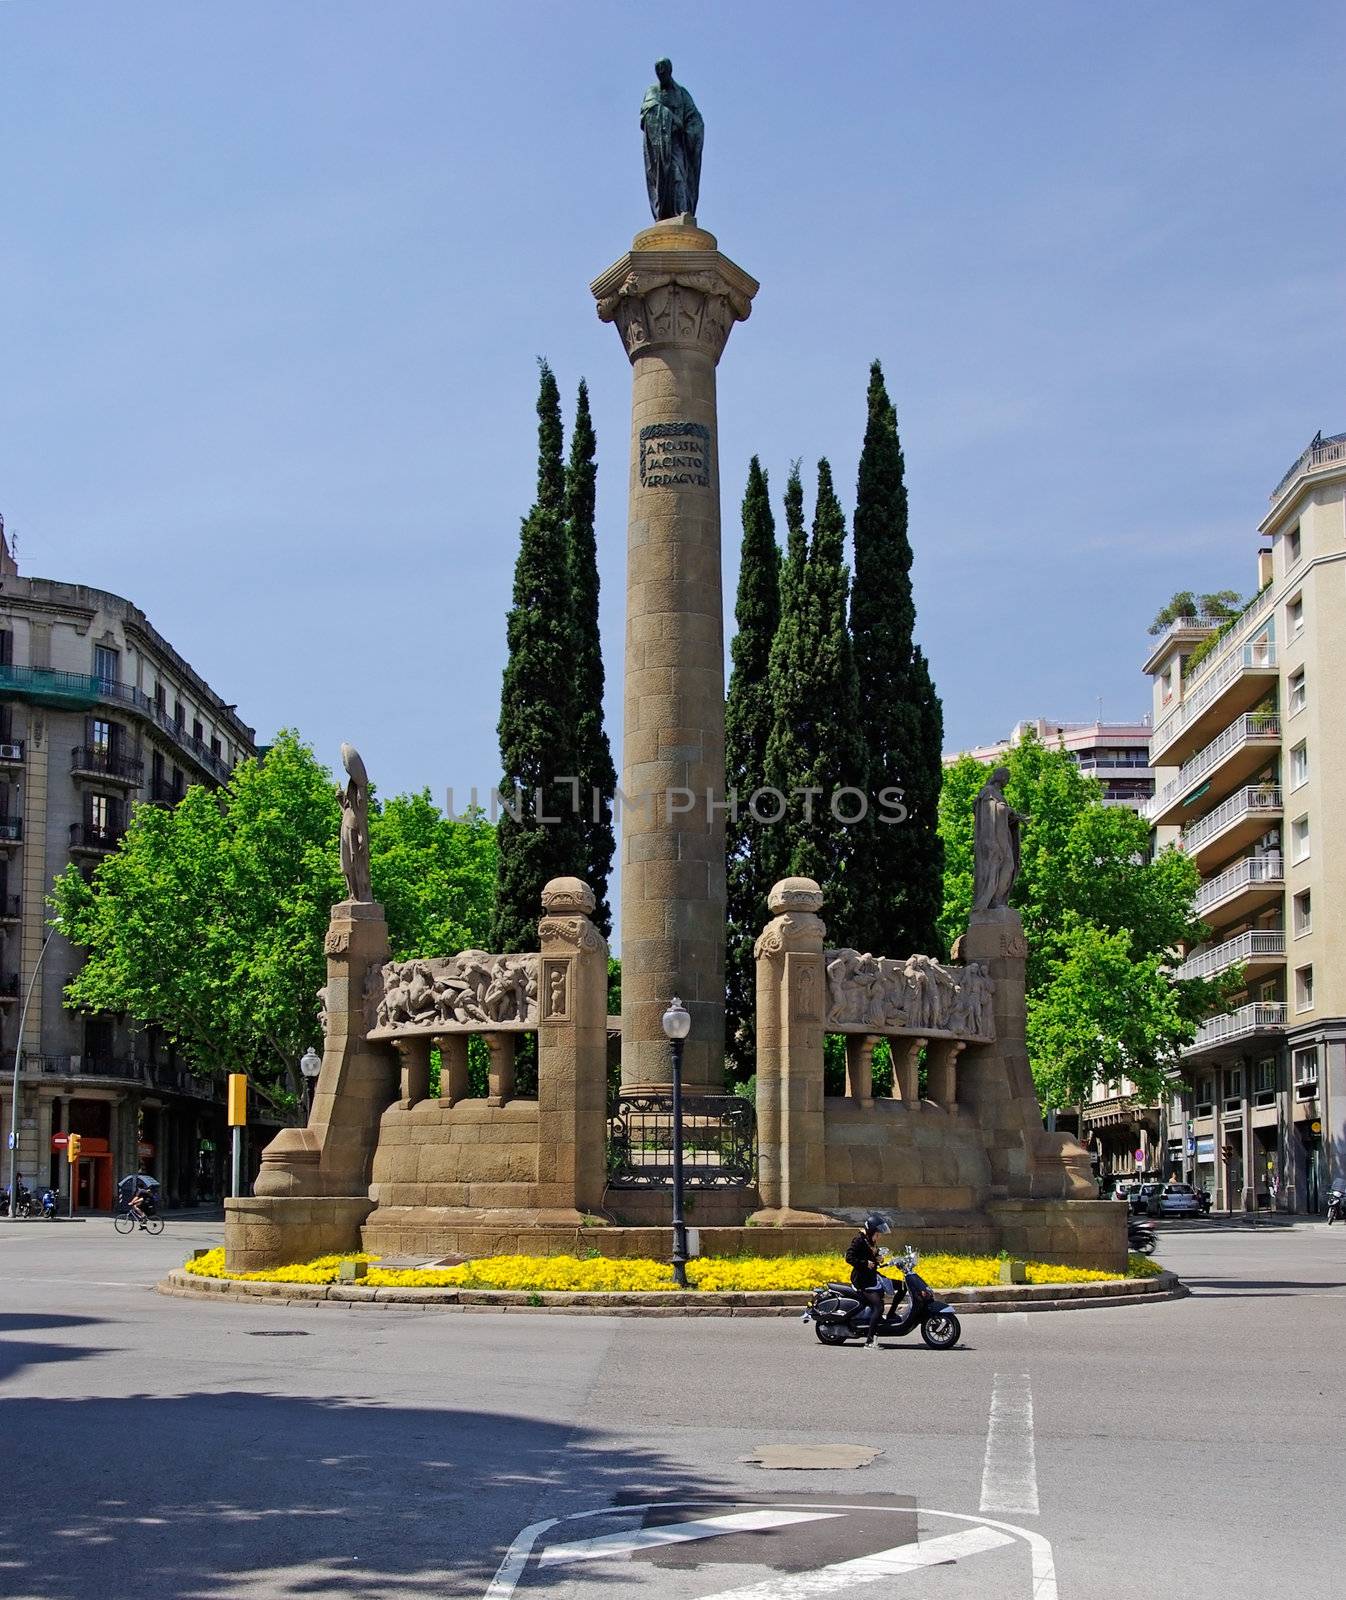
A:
677, 1025
18, 1067
310, 1064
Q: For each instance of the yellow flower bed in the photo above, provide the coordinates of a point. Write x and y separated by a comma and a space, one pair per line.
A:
605, 1275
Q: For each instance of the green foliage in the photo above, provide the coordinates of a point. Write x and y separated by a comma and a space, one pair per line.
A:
208, 921
1182, 607
1104, 921
1226, 608
897, 894
815, 742
749, 844
538, 701
593, 756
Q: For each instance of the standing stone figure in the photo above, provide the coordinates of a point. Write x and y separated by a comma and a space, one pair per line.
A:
355, 826
995, 845
674, 133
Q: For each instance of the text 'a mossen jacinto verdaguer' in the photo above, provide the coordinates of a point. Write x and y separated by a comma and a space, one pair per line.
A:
675, 453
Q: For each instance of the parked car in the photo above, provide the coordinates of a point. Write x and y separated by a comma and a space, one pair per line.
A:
1121, 1189
1143, 1201
1175, 1200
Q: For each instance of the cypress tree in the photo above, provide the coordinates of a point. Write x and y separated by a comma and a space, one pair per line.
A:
593, 756
815, 743
900, 891
747, 726
537, 702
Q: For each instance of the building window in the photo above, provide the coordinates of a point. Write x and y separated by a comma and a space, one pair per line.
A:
6, 647
160, 699
215, 744
1294, 616
100, 736
1166, 685
1299, 766
1233, 1089
1293, 548
198, 732
1298, 692
1264, 1082
1205, 1096
1303, 912
1299, 839
106, 664
179, 715
1306, 1072
1304, 988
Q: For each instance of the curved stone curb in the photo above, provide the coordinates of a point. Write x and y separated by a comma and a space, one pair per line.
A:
668, 1303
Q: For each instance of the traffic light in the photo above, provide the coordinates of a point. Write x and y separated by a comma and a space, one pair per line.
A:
72, 1147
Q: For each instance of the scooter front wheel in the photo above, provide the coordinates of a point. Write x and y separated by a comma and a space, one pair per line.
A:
942, 1332
831, 1332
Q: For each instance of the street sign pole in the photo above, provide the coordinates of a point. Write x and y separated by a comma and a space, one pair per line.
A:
236, 1183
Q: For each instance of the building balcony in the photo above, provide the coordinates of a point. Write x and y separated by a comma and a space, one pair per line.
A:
87, 840
107, 766
1181, 631
1258, 951
164, 793
1235, 680
11, 832
1240, 890
1323, 455
11, 753
1263, 1016
11, 907
1232, 826
1228, 760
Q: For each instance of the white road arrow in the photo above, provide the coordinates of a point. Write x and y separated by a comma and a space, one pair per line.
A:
894, 1563
625, 1544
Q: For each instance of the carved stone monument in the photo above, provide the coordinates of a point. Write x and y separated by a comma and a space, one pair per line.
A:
673, 299
674, 134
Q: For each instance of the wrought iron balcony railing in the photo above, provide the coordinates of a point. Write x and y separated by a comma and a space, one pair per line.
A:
1259, 1017
1251, 727
1241, 949
1254, 800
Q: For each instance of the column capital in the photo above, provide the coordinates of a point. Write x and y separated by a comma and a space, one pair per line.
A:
674, 290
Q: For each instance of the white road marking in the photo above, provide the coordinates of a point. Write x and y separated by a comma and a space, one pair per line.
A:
511, 1568
1009, 1476
625, 1544
843, 1575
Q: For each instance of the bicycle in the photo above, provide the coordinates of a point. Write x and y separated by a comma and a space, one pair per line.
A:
127, 1222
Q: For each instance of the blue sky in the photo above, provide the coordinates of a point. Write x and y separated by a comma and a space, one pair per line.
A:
274, 279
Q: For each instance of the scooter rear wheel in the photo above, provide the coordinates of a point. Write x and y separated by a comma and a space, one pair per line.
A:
942, 1332
831, 1332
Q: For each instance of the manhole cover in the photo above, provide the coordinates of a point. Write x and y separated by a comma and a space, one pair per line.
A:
277, 1333
813, 1457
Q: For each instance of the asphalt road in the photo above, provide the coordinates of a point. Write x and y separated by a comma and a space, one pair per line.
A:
185, 1450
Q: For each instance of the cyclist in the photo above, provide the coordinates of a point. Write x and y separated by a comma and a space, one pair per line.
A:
135, 1208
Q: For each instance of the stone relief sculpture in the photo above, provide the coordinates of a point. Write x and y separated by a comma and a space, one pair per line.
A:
918, 995
355, 826
674, 134
995, 845
474, 990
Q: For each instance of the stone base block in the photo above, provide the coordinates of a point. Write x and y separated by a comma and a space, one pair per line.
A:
1070, 1233
276, 1231
704, 1208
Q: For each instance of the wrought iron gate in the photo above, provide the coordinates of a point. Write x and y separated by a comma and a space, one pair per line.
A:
719, 1141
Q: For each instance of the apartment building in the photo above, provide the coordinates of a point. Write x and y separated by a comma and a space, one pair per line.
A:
1116, 753
98, 713
1249, 755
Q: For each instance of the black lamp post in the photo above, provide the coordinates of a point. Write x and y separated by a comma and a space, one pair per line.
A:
677, 1025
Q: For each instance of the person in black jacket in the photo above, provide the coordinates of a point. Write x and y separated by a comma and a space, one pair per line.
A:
862, 1256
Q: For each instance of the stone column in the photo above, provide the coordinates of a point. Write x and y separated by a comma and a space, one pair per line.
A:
791, 998
500, 1069
941, 1078
907, 1068
414, 1054
452, 1067
673, 298
860, 1065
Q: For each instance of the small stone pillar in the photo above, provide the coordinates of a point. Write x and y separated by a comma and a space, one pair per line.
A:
907, 1068
791, 1000
673, 298
452, 1067
414, 1054
571, 1053
940, 1078
860, 1065
500, 1070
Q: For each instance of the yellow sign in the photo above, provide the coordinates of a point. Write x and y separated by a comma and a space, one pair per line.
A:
1315, 1126
72, 1148
238, 1100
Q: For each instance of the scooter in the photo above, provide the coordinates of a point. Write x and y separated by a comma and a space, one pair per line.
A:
50, 1201
838, 1311
1336, 1206
1140, 1236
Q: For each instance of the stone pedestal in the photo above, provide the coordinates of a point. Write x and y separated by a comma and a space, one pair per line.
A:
673, 299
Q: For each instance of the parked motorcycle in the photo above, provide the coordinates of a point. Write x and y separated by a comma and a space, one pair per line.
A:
1140, 1237
838, 1311
1336, 1206
49, 1200
27, 1204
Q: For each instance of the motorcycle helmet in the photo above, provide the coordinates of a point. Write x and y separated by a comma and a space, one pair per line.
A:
876, 1222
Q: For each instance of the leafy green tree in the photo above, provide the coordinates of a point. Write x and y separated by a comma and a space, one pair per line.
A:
1093, 902
747, 721
593, 756
898, 894
1181, 607
208, 920
540, 832
815, 749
